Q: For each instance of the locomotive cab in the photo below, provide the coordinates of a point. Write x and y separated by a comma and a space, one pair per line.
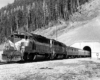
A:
16, 44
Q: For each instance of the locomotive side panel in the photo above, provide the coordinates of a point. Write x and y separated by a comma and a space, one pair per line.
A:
59, 47
42, 44
42, 48
70, 51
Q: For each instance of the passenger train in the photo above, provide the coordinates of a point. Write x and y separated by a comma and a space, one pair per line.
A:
28, 46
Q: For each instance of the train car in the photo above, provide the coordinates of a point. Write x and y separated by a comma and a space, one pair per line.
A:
76, 53
87, 53
59, 49
71, 52
38, 45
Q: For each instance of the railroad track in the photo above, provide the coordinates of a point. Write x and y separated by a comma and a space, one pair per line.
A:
38, 59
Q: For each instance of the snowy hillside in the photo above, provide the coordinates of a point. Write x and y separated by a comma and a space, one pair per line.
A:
86, 20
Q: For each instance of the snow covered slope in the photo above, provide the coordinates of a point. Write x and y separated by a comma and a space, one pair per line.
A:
87, 32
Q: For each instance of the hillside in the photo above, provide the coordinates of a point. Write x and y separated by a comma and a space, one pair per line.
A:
86, 15
36, 14
86, 20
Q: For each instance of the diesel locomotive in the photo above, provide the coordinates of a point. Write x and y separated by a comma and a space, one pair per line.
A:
28, 46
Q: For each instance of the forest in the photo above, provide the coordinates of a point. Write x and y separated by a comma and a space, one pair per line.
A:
33, 14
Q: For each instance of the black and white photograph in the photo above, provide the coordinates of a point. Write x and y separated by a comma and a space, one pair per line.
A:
49, 39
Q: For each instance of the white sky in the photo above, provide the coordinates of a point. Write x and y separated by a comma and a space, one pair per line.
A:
5, 2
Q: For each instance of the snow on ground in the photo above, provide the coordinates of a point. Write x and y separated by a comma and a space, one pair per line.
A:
69, 69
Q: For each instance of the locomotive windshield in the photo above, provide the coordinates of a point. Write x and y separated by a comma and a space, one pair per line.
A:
16, 37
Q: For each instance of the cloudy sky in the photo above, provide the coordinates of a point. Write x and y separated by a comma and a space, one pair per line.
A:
5, 2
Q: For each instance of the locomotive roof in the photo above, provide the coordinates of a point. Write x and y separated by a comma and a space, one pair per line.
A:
58, 42
39, 36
